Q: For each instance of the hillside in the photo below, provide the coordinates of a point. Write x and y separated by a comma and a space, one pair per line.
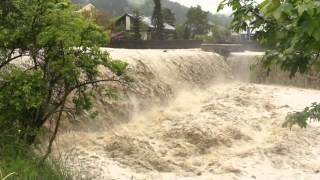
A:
118, 7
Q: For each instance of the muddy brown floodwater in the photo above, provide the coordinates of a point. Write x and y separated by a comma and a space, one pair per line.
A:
223, 129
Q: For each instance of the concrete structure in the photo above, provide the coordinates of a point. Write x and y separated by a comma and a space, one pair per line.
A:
226, 49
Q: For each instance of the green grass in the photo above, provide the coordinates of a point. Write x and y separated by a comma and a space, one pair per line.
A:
19, 162
4, 177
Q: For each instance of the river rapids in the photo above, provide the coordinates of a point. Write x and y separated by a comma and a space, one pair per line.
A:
193, 115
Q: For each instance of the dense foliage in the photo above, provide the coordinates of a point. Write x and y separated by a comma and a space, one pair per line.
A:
218, 34
49, 54
197, 21
291, 31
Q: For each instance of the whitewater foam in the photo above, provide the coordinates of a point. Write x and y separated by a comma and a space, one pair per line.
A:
189, 121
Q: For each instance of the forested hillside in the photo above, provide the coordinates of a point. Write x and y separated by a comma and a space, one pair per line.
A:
118, 7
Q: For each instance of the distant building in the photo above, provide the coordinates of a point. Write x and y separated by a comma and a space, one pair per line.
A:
98, 16
244, 36
124, 23
87, 8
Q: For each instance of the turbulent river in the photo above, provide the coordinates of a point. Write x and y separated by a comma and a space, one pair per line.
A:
190, 115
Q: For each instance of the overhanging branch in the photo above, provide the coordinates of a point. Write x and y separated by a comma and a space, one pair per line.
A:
86, 83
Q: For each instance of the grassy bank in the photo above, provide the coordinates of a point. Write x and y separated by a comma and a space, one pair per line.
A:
21, 163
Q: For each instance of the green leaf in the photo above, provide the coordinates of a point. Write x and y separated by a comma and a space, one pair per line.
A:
270, 7
220, 7
309, 8
316, 35
283, 9
278, 13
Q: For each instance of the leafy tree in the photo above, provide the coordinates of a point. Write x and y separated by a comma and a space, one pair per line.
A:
157, 20
182, 31
49, 55
186, 32
291, 31
221, 20
197, 21
169, 17
179, 31
136, 25
218, 34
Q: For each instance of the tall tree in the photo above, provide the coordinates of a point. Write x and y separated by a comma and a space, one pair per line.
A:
61, 56
197, 21
180, 31
157, 20
218, 34
136, 25
168, 16
186, 31
290, 31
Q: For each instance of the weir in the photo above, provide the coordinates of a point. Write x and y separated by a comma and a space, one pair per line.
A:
190, 114
246, 66
226, 49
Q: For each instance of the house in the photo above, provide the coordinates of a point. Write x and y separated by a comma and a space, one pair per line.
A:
87, 8
124, 24
243, 36
98, 16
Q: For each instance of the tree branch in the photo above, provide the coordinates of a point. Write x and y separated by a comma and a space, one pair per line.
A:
95, 82
4, 63
56, 129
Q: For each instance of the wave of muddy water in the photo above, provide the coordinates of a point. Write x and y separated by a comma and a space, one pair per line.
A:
222, 129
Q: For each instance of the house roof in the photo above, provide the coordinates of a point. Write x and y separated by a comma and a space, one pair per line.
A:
147, 21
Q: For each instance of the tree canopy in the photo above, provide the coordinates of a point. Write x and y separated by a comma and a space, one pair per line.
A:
197, 21
49, 54
218, 34
290, 31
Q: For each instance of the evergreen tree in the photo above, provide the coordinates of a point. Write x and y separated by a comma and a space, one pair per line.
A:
157, 20
168, 16
136, 25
